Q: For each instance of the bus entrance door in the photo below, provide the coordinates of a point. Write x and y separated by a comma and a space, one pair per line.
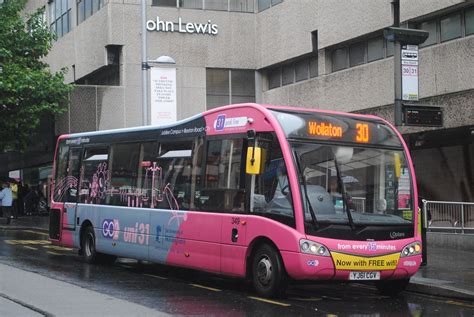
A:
72, 194
233, 245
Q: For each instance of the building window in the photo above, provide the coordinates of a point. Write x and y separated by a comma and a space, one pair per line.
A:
375, 49
242, 5
265, 4
242, 86
217, 87
450, 27
164, 3
357, 54
302, 70
274, 78
469, 22
190, 4
313, 67
288, 74
390, 48
86, 8
60, 17
226, 86
430, 27
218, 5
339, 59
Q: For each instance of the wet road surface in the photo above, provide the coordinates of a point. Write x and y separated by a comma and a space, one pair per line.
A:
188, 292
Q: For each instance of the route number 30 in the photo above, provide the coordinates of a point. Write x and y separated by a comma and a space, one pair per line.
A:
362, 132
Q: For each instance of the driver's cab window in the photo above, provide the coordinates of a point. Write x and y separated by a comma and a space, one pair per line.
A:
272, 195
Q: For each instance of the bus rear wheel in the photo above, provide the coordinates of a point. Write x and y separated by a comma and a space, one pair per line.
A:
268, 273
392, 287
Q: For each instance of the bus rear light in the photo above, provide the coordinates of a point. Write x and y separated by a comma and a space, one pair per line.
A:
411, 249
310, 247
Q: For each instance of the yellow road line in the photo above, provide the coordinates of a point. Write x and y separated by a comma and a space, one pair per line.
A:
270, 301
57, 248
205, 287
36, 232
156, 276
30, 248
54, 253
459, 304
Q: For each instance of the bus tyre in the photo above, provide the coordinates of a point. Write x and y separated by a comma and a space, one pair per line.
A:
392, 287
88, 245
268, 273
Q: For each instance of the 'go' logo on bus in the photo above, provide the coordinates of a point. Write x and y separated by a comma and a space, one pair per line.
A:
110, 229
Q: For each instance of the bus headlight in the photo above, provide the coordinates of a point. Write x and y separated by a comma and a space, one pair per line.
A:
411, 249
310, 247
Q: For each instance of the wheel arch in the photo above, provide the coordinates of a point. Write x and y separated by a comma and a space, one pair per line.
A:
253, 246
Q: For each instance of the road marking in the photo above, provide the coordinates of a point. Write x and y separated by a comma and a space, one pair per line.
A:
24, 242
36, 232
30, 248
459, 304
156, 276
270, 301
205, 287
54, 253
306, 299
57, 248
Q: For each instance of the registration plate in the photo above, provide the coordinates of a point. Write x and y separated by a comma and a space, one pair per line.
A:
364, 276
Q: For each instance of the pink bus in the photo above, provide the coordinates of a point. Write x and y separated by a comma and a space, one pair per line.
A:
273, 194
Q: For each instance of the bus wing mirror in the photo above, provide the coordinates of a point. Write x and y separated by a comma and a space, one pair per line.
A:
255, 160
398, 165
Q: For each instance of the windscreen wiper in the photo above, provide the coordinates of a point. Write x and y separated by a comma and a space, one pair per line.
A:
303, 178
344, 196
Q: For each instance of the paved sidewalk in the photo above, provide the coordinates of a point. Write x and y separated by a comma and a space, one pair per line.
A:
22, 294
449, 272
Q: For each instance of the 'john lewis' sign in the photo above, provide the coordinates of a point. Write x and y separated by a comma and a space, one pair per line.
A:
182, 27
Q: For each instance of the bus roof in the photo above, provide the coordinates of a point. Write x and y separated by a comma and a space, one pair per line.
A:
261, 107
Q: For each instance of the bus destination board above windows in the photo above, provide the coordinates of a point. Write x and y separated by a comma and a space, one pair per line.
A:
337, 128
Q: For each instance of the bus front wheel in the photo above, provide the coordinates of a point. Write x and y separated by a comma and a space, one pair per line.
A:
88, 249
88, 245
392, 287
268, 273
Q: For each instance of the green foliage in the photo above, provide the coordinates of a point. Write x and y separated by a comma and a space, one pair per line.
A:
28, 89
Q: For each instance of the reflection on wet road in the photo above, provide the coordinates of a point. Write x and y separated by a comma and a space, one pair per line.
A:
188, 292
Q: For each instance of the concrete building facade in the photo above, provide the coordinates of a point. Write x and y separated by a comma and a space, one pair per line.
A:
308, 53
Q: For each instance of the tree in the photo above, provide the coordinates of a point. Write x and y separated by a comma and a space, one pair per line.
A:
28, 89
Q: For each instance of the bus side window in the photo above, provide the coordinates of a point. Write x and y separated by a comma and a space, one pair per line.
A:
94, 176
123, 171
174, 188
223, 187
73, 170
147, 168
272, 195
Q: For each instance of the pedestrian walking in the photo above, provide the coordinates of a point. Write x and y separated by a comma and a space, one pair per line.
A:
6, 197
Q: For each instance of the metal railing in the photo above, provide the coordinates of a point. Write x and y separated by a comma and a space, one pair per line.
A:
456, 217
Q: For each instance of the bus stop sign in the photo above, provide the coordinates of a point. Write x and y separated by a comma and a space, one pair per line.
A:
422, 116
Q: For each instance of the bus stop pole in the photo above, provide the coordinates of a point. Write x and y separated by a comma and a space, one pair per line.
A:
424, 227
